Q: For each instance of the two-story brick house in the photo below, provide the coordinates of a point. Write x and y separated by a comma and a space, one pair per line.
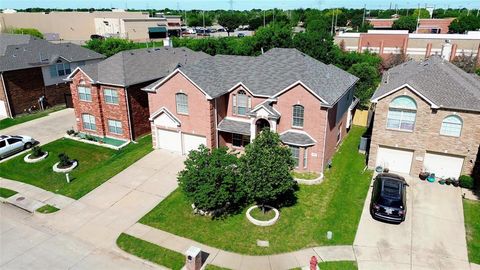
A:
227, 100
31, 68
427, 118
107, 96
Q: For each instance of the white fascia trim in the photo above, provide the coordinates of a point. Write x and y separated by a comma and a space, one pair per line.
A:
168, 113
306, 87
70, 77
299, 145
177, 70
120, 85
432, 105
262, 106
237, 119
244, 87
299, 131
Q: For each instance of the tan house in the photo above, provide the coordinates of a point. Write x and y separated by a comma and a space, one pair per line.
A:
427, 117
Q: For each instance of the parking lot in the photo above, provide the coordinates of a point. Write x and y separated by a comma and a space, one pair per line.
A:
431, 237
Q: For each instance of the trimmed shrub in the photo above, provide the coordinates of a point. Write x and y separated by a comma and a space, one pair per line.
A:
64, 160
37, 152
466, 181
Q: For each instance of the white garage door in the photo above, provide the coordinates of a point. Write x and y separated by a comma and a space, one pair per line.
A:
3, 109
443, 166
395, 160
169, 140
192, 142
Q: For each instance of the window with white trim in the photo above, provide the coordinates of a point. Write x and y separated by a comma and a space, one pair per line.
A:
305, 157
241, 103
295, 154
115, 126
297, 115
239, 140
89, 121
451, 126
63, 68
402, 112
84, 93
182, 103
110, 96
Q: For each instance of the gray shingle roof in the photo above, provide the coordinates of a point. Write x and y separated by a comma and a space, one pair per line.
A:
141, 65
441, 82
233, 126
24, 51
296, 138
270, 73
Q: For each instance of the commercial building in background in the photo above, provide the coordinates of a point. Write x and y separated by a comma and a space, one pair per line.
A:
425, 26
415, 46
78, 27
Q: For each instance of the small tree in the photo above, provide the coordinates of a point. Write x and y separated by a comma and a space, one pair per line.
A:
265, 169
369, 79
27, 31
230, 21
210, 179
405, 23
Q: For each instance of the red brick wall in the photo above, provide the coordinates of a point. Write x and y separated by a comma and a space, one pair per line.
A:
332, 132
25, 86
314, 123
138, 100
199, 119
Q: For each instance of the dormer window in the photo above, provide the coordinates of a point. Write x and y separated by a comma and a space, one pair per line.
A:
402, 112
241, 103
60, 69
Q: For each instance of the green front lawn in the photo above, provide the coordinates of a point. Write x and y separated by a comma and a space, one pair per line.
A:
47, 209
471, 210
340, 265
8, 122
151, 252
6, 193
96, 165
335, 205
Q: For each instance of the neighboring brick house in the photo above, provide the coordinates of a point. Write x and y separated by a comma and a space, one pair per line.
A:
427, 118
107, 96
227, 100
31, 68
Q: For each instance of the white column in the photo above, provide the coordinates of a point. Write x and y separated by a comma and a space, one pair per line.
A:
252, 129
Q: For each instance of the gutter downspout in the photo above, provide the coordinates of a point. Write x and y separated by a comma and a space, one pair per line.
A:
128, 115
6, 96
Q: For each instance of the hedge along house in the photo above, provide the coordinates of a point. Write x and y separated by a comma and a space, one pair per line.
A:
227, 100
107, 96
31, 68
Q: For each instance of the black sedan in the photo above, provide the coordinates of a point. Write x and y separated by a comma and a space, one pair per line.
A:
389, 198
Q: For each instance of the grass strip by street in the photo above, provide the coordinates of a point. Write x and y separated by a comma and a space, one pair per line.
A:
471, 210
7, 193
335, 205
47, 209
214, 267
151, 252
8, 122
339, 265
96, 165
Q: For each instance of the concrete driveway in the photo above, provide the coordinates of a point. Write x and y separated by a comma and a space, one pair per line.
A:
45, 129
432, 236
83, 234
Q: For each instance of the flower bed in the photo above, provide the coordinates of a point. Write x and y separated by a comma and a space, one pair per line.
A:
30, 159
58, 169
263, 223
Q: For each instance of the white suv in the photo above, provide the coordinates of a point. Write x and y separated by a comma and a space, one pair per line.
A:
12, 144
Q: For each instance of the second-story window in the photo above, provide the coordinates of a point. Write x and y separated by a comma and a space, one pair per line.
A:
241, 103
84, 92
110, 95
182, 103
451, 126
402, 112
298, 113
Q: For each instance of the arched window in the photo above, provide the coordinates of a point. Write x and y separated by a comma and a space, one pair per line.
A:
298, 113
401, 113
451, 126
241, 103
182, 103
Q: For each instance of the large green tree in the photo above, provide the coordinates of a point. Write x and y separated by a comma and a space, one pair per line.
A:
111, 46
230, 20
405, 23
464, 23
265, 170
210, 179
369, 79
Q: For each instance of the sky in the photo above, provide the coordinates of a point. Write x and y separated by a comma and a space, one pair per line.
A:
237, 4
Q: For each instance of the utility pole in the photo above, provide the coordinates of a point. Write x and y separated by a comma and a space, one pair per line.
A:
364, 11
418, 18
333, 17
264, 18
336, 19
478, 9
231, 4
203, 14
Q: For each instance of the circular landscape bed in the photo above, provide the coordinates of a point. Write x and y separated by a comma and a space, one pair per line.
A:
58, 169
30, 159
257, 216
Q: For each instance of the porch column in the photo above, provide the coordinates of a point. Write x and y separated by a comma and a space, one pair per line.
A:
252, 129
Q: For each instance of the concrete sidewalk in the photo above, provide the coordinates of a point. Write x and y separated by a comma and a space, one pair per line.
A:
232, 260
